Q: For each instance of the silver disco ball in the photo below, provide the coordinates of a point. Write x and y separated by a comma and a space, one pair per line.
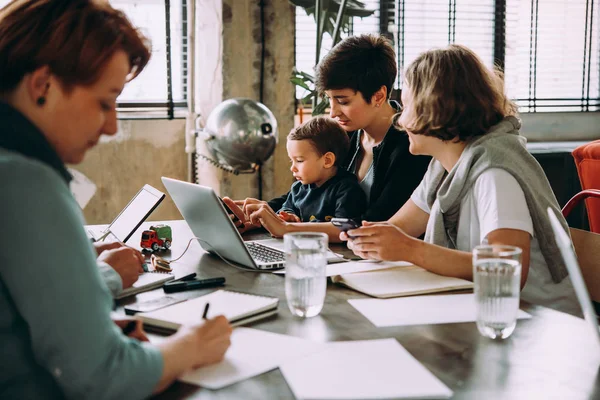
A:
241, 134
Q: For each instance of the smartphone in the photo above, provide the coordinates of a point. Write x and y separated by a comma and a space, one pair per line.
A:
345, 224
235, 218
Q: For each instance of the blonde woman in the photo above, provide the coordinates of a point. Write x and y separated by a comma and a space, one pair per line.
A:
482, 186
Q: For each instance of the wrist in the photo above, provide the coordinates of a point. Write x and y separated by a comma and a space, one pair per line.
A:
417, 254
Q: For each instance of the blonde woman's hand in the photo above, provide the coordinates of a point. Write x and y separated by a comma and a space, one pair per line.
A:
379, 241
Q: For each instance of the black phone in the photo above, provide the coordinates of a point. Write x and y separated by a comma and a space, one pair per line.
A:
345, 224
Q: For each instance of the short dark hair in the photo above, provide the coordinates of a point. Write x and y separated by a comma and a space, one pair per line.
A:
454, 95
326, 136
75, 38
363, 63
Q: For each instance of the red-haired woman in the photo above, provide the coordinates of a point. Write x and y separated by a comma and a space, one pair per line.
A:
62, 65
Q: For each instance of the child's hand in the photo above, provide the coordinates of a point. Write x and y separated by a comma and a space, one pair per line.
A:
288, 217
263, 214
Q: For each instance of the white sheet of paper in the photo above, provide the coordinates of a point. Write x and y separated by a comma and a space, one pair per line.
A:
420, 310
364, 369
351, 267
252, 353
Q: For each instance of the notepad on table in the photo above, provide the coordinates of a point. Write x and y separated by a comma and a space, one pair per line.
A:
146, 281
238, 308
400, 281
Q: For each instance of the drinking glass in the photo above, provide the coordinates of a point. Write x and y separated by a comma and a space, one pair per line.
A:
497, 279
305, 279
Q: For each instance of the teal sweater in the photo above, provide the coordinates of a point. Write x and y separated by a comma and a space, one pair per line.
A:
57, 338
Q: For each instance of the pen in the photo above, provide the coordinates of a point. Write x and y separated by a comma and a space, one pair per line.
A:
205, 313
130, 327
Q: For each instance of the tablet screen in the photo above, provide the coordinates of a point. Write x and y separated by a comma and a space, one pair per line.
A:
136, 212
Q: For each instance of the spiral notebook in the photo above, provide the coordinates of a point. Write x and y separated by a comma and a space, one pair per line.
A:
238, 308
146, 281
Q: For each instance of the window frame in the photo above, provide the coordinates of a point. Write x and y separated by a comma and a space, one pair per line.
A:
530, 104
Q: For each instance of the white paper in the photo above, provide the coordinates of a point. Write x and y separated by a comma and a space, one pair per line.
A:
420, 310
82, 187
252, 353
365, 369
351, 267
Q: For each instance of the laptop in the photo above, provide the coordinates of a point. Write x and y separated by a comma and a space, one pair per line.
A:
204, 213
565, 246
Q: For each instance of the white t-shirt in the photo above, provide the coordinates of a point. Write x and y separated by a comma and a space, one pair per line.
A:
496, 201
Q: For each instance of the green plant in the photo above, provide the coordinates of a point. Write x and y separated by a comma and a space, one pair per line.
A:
331, 16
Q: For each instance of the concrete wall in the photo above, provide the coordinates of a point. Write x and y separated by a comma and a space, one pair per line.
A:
228, 43
241, 62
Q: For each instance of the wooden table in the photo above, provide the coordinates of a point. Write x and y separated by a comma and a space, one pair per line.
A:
550, 356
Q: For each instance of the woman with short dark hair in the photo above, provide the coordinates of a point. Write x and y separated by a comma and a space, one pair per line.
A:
62, 65
357, 76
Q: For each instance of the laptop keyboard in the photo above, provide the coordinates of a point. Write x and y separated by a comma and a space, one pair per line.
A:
265, 254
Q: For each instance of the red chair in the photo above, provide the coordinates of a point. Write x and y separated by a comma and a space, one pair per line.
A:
575, 200
587, 161
587, 244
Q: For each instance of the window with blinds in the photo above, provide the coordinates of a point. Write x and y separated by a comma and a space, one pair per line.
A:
547, 48
161, 88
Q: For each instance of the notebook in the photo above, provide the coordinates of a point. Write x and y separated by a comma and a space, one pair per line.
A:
400, 281
238, 308
146, 281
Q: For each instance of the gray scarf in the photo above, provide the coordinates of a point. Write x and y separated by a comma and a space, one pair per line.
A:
502, 147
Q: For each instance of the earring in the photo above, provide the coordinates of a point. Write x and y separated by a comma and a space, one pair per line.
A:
42, 99
377, 105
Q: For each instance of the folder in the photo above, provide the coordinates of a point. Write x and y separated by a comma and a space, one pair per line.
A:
400, 281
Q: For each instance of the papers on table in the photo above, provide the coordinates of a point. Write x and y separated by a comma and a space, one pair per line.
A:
252, 353
366, 369
420, 310
351, 267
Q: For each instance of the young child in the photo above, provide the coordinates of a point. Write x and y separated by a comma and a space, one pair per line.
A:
323, 190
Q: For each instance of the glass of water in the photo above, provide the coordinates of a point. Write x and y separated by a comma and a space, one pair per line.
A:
305, 279
497, 281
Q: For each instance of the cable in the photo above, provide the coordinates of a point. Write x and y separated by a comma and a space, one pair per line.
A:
217, 164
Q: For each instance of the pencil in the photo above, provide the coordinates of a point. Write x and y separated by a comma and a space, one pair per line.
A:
205, 313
